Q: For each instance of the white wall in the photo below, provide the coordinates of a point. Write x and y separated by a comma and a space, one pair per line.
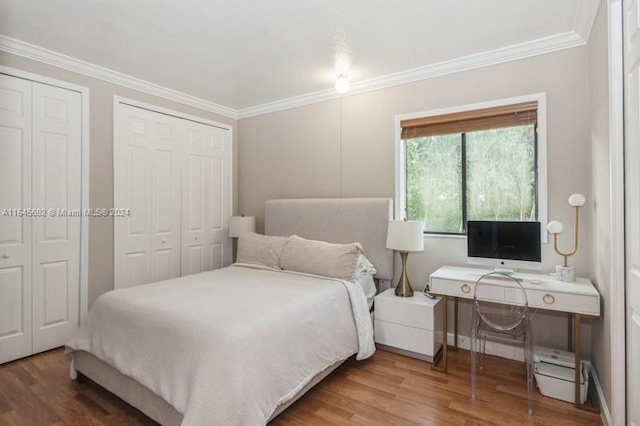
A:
600, 195
298, 153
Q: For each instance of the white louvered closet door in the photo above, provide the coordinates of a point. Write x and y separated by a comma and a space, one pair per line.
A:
40, 169
173, 175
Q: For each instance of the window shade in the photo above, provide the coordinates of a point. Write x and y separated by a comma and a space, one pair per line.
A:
468, 121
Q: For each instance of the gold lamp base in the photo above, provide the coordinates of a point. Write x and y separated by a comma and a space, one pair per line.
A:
403, 288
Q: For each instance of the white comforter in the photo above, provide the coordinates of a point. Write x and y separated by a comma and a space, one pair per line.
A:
227, 347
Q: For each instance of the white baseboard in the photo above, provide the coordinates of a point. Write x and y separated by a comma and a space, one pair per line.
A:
511, 352
605, 414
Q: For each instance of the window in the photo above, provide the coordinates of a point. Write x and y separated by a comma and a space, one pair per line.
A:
478, 163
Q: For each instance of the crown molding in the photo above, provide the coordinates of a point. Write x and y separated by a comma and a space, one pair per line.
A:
36, 53
511, 53
586, 14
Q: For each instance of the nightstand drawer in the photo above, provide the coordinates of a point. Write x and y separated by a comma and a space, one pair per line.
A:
403, 337
416, 311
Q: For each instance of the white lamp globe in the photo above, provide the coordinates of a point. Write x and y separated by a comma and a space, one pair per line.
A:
555, 227
577, 200
342, 84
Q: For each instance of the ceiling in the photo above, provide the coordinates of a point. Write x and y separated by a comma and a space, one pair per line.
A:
256, 55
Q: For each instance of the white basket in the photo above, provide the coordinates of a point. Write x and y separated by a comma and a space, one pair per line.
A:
557, 381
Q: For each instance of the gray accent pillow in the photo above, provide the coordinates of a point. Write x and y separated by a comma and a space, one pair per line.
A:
321, 258
260, 249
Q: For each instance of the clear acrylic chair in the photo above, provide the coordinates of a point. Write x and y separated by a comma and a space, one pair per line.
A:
493, 317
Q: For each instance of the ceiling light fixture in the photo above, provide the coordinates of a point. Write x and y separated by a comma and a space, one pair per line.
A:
342, 84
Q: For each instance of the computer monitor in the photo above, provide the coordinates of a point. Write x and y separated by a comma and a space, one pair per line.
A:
504, 245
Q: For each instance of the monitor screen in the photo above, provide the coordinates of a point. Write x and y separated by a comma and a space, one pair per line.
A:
509, 244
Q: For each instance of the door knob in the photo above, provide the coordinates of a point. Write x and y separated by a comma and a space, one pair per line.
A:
6, 255
164, 241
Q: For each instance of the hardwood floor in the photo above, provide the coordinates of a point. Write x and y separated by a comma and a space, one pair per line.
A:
387, 389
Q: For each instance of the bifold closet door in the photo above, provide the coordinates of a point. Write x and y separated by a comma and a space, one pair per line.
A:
15, 231
56, 180
205, 195
40, 169
148, 183
173, 176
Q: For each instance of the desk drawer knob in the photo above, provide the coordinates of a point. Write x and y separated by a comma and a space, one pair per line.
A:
548, 299
465, 288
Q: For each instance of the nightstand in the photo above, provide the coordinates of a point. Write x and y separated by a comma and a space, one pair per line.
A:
408, 325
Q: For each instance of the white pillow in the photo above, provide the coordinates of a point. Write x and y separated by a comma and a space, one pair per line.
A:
321, 258
364, 267
258, 249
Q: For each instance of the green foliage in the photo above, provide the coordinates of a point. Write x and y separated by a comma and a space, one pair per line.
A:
501, 177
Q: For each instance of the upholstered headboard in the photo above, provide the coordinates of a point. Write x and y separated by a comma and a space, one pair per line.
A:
337, 220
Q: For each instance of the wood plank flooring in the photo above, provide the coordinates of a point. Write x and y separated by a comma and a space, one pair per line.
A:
387, 389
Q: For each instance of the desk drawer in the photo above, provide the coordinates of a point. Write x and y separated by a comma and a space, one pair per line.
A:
584, 304
403, 337
452, 288
466, 289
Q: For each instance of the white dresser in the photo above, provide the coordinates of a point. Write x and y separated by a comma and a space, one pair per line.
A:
408, 325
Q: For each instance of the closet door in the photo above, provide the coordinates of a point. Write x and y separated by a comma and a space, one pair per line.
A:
147, 182
56, 179
205, 198
15, 231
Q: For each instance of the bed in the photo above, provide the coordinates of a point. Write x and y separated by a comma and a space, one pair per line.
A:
222, 354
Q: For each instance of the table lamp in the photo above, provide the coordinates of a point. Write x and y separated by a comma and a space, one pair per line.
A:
405, 236
239, 225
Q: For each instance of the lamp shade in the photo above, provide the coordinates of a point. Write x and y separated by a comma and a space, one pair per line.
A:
239, 225
577, 200
405, 235
555, 227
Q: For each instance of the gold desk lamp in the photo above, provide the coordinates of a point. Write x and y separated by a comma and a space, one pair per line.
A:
564, 271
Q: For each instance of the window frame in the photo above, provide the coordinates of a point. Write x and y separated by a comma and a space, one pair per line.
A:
400, 163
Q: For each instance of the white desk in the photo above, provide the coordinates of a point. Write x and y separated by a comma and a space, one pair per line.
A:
579, 298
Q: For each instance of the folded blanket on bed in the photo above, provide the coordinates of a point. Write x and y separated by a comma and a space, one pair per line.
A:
227, 347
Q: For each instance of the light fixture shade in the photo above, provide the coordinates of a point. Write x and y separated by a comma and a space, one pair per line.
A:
342, 84
555, 227
405, 235
577, 200
239, 225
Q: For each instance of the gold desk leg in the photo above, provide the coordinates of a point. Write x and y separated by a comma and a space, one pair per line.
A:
570, 326
577, 319
443, 359
455, 324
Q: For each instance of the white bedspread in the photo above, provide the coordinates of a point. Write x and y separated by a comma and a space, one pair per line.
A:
227, 347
